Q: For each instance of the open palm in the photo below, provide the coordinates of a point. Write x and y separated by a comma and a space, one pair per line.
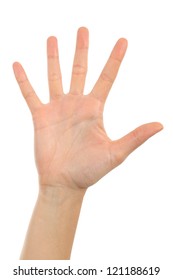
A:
72, 148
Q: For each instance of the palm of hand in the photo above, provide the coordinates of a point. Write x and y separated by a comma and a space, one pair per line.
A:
71, 145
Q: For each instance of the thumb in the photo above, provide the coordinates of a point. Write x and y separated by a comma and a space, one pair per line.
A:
124, 146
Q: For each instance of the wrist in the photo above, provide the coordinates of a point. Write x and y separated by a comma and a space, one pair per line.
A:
60, 193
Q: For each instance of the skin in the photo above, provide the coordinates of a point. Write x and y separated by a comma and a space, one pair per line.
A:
72, 149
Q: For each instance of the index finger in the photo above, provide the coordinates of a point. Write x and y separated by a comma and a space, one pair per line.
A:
110, 71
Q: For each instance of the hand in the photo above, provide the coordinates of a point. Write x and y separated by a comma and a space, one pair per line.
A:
72, 148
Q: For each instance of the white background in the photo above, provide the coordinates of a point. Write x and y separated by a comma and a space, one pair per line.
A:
127, 217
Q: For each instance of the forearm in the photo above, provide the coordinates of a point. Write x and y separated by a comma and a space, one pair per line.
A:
53, 224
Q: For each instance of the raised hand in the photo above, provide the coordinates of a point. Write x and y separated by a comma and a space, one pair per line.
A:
72, 148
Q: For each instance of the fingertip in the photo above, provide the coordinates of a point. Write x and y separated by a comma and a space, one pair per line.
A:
15, 64
17, 68
158, 126
82, 38
122, 44
119, 49
83, 29
52, 47
123, 40
51, 40
51, 37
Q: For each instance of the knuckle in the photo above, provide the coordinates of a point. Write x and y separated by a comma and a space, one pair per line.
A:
106, 78
53, 56
79, 69
136, 137
21, 82
28, 95
54, 77
119, 158
116, 60
116, 156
